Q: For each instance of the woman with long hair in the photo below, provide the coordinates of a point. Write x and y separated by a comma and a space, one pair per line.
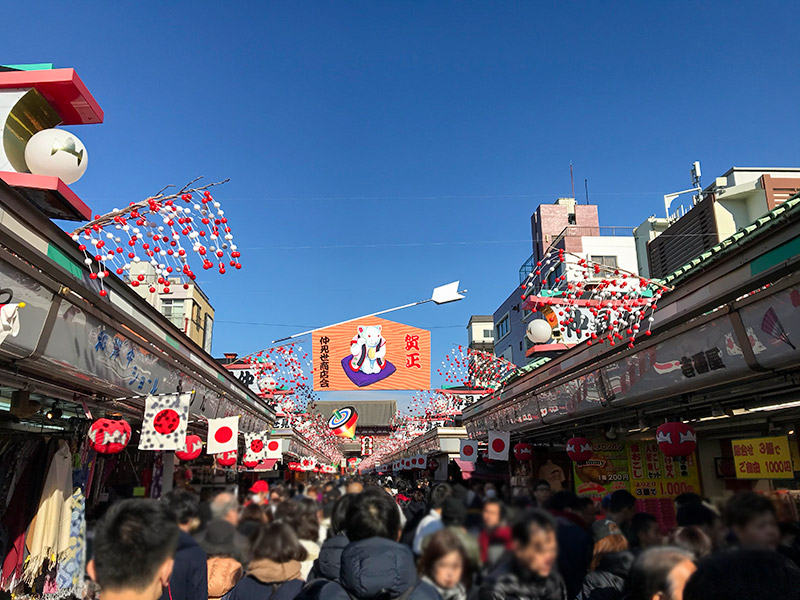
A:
274, 570
445, 565
611, 563
303, 517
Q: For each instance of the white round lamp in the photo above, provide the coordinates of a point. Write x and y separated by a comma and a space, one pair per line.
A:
539, 331
56, 153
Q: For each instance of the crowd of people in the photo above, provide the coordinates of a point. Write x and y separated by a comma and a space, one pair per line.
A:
382, 540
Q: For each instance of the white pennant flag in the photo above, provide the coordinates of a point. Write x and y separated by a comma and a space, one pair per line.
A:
274, 449
256, 445
165, 421
223, 435
469, 450
498, 445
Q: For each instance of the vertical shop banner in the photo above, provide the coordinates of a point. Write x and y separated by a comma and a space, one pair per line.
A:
223, 435
604, 473
165, 421
654, 475
371, 353
763, 458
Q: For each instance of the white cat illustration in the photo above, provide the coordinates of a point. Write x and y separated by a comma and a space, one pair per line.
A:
368, 348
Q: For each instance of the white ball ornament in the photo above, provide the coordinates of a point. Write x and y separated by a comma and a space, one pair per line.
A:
539, 331
56, 153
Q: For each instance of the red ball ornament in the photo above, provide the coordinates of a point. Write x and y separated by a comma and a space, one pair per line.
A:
676, 439
227, 459
579, 449
523, 451
194, 446
433, 464
109, 436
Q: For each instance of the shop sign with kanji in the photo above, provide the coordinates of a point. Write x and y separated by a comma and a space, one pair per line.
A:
371, 353
763, 458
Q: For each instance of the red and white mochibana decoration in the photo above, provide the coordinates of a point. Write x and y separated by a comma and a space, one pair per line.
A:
475, 369
617, 300
149, 243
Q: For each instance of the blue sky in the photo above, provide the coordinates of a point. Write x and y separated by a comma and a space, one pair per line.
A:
377, 149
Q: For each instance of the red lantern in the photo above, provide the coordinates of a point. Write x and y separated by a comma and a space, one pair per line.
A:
486, 459
523, 451
676, 439
227, 459
433, 464
194, 446
249, 462
109, 436
293, 466
579, 449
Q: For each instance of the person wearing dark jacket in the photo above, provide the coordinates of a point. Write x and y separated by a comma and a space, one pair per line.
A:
189, 578
611, 565
574, 542
327, 565
528, 571
274, 570
373, 565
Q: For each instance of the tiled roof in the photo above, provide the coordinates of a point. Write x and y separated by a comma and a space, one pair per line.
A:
760, 227
371, 413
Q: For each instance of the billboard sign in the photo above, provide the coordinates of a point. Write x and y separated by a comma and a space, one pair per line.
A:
373, 354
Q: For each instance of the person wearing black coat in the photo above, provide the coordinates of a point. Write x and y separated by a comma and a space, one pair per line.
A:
607, 581
529, 571
189, 578
328, 564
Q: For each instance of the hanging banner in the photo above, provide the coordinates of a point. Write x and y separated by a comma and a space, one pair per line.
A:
223, 435
165, 421
469, 450
655, 475
605, 472
371, 353
498, 445
763, 458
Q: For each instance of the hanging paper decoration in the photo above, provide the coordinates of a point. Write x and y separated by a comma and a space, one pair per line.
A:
469, 450
192, 448
523, 451
579, 449
165, 421
227, 459
255, 444
499, 445
223, 435
343, 422
676, 439
475, 369
603, 304
274, 449
250, 462
486, 458
149, 243
307, 463
109, 436
433, 464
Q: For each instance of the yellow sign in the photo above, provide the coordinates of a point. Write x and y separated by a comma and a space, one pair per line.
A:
763, 458
654, 475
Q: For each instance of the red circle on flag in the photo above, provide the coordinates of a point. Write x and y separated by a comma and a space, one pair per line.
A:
469, 450
273, 445
223, 435
498, 445
256, 446
166, 421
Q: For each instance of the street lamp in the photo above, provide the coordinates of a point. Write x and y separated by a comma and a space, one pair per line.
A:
443, 294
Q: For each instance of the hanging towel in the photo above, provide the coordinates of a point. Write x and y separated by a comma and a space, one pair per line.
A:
48, 534
69, 580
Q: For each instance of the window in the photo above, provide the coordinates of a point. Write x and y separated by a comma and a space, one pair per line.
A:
209, 324
173, 310
197, 315
502, 328
487, 333
607, 261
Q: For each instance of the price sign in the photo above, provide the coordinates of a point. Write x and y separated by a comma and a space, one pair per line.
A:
763, 458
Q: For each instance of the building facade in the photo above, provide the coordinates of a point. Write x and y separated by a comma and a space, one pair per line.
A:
480, 333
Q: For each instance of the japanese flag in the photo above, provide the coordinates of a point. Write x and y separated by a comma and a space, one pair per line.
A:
165, 422
275, 449
420, 461
256, 445
469, 450
223, 435
498, 445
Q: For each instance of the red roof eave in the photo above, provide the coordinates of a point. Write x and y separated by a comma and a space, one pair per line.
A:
63, 89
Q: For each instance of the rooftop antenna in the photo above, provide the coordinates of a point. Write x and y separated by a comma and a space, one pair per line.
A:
586, 186
572, 180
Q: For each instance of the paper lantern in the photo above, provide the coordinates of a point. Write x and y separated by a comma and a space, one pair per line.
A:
227, 459
676, 439
433, 464
249, 462
56, 153
523, 451
539, 331
194, 446
109, 436
579, 449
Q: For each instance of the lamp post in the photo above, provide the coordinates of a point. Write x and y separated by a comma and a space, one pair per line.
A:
443, 294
